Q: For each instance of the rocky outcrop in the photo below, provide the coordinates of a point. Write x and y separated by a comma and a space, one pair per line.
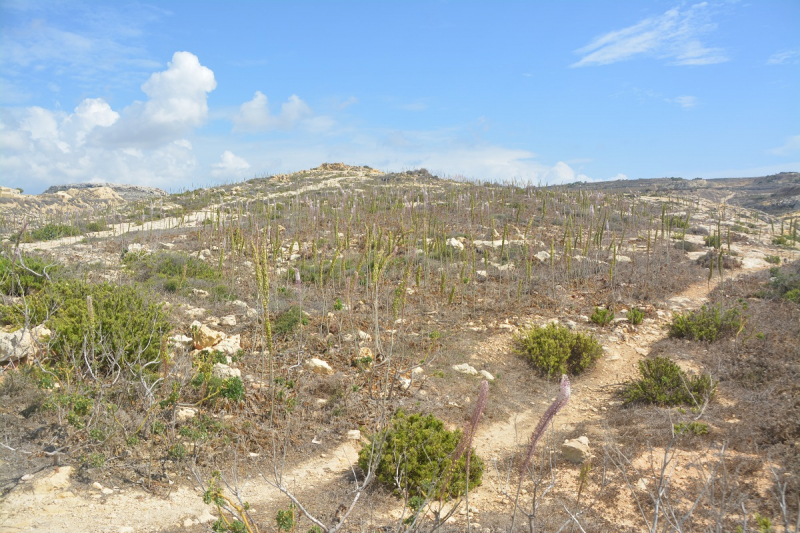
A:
129, 193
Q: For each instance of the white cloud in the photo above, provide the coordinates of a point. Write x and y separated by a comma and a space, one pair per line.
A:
347, 103
619, 176
177, 103
673, 36
144, 144
684, 101
785, 57
791, 146
254, 116
229, 165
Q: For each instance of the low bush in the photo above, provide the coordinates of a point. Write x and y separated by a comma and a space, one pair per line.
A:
50, 232
664, 383
416, 458
635, 316
688, 246
287, 322
121, 325
711, 260
785, 282
707, 323
18, 280
602, 316
773, 259
555, 350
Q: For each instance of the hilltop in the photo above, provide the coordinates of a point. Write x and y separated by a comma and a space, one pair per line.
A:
165, 360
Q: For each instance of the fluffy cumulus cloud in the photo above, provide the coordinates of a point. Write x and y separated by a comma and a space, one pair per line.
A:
619, 176
673, 36
144, 143
230, 165
255, 115
177, 103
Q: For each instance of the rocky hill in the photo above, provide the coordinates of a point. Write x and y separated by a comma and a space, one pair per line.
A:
129, 193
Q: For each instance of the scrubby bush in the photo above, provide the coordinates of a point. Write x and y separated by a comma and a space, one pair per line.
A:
711, 260
707, 323
555, 350
416, 458
664, 383
602, 316
120, 323
288, 321
773, 259
50, 232
18, 280
688, 246
784, 283
635, 316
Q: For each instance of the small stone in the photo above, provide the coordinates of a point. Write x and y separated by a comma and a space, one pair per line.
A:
182, 414
228, 320
97, 485
487, 375
452, 242
405, 383
107, 491
224, 371
318, 366
465, 368
576, 450
363, 336
26, 477
481, 275
204, 336
354, 434
200, 292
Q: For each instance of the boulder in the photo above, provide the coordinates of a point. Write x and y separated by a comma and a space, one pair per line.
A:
228, 320
318, 366
230, 345
16, 345
576, 450
204, 336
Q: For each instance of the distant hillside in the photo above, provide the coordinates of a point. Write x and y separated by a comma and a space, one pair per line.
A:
778, 194
129, 193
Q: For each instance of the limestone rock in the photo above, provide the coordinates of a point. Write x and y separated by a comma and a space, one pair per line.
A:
230, 345
465, 368
16, 345
200, 292
182, 341
182, 414
363, 336
452, 242
576, 450
224, 371
228, 320
405, 383
354, 434
481, 275
204, 336
318, 366
542, 256
487, 375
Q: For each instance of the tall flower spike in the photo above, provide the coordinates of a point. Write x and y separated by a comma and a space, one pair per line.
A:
469, 431
547, 417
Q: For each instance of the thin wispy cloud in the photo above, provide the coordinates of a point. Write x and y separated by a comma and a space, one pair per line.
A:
684, 101
791, 146
673, 36
785, 57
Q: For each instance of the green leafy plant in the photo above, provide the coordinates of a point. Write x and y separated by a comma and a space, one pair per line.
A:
555, 350
664, 383
50, 232
694, 428
286, 518
416, 456
25, 274
602, 316
707, 323
635, 316
773, 259
287, 322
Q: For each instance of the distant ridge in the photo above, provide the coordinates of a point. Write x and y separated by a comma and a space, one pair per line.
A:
130, 193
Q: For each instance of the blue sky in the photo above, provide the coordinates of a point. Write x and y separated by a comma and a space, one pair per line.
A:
181, 94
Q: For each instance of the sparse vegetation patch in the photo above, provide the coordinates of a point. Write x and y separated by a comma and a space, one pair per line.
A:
664, 383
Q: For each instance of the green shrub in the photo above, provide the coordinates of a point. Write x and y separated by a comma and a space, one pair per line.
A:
555, 350
664, 383
122, 322
416, 458
707, 323
792, 295
635, 316
713, 241
95, 226
168, 265
773, 259
602, 316
694, 428
17, 280
50, 232
287, 322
